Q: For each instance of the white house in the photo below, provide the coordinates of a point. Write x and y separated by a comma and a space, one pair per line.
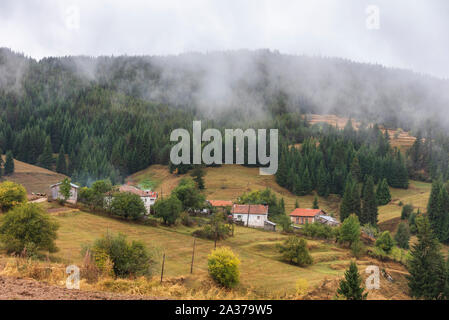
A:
148, 197
252, 215
55, 194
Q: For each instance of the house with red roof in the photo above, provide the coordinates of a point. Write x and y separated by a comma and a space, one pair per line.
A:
220, 203
303, 216
251, 215
148, 197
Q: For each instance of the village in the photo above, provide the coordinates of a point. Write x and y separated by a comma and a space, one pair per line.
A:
248, 215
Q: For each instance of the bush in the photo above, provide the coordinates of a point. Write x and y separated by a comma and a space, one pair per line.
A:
128, 258
407, 210
357, 249
318, 230
223, 267
295, 251
11, 195
27, 226
284, 222
302, 287
127, 205
385, 242
349, 230
168, 209
186, 220
217, 228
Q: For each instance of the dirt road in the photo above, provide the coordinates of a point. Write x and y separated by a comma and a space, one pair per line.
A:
23, 289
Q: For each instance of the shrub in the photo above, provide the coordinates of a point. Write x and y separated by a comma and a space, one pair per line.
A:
11, 195
28, 227
385, 242
349, 230
318, 230
223, 267
357, 249
284, 222
295, 251
218, 228
302, 287
407, 210
128, 258
127, 205
186, 220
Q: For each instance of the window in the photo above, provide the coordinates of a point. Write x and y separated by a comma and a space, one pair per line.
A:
258, 217
239, 217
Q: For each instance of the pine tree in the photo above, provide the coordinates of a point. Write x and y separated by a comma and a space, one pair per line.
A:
346, 204
61, 164
45, 160
198, 174
369, 203
402, 236
355, 170
426, 266
351, 286
306, 182
322, 182
383, 193
1, 163
9, 163
315, 203
296, 203
438, 210
355, 200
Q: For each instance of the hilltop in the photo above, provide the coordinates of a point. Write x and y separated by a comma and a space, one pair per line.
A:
33, 178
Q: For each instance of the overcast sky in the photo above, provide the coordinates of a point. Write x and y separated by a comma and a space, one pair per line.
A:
412, 34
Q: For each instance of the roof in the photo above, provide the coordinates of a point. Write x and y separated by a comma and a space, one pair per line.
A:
140, 193
252, 208
269, 222
300, 212
57, 184
329, 219
220, 203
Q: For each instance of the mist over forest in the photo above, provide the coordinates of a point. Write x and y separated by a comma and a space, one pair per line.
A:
112, 116
218, 84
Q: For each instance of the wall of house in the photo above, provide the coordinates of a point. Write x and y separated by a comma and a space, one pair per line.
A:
56, 195
255, 220
302, 220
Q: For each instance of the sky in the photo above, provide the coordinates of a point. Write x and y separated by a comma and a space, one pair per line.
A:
410, 34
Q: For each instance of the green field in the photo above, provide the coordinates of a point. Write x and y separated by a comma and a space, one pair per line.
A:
261, 268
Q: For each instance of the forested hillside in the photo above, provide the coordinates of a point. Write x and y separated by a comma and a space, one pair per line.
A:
109, 117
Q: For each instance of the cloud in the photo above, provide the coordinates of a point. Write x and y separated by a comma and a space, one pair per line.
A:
412, 33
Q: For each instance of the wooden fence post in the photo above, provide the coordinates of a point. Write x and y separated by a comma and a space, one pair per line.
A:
193, 255
162, 271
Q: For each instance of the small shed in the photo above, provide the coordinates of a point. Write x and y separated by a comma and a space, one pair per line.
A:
270, 226
55, 194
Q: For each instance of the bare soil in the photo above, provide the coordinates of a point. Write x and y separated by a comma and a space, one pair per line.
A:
23, 289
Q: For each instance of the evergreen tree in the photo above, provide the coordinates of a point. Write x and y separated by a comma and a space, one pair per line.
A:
369, 203
61, 164
1, 163
9, 163
355, 170
322, 182
346, 204
315, 203
402, 236
438, 211
296, 203
45, 160
426, 266
198, 174
383, 193
351, 286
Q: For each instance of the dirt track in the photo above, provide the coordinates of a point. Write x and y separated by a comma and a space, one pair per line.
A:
23, 289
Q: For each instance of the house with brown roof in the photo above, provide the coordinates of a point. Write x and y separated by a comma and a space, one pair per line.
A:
251, 215
303, 216
220, 203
